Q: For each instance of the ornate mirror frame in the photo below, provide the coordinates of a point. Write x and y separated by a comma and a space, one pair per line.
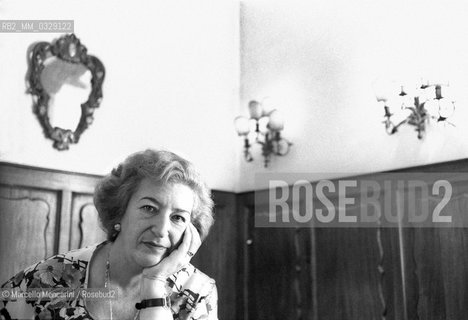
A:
69, 49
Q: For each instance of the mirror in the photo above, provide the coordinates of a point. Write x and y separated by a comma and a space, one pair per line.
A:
66, 85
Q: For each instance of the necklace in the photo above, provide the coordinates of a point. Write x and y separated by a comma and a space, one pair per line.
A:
107, 282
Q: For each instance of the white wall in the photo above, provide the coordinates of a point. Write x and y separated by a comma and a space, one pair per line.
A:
172, 82
318, 60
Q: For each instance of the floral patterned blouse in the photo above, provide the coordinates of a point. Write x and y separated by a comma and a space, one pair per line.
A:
193, 294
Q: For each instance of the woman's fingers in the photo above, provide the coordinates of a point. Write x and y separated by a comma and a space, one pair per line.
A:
196, 241
186, 240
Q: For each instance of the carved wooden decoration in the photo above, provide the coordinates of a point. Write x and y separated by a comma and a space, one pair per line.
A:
67, 50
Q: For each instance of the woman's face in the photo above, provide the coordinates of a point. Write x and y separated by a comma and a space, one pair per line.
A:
155, 220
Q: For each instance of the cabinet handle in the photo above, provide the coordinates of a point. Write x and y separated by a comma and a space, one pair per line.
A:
249, 242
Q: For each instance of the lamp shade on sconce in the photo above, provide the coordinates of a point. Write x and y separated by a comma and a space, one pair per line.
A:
446, 108
255, 110
276, 122
242, 125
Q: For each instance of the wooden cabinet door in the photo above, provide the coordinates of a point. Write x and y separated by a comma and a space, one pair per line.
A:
85, 227
436, 261
28, 227
276, 273
358, 273
279, 273
358, 267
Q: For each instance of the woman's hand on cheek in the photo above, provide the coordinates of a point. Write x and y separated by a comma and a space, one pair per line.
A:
154, 278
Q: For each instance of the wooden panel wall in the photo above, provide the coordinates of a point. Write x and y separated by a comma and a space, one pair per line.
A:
28, 227
397, 273
263, 273
35, 215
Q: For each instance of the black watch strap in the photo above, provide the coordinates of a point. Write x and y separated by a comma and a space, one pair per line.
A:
149, 303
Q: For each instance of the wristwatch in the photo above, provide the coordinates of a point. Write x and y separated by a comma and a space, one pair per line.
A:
158, 302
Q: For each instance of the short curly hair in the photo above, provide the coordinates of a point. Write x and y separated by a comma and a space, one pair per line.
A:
114, 191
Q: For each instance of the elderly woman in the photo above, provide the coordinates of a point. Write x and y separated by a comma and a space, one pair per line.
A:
156, 211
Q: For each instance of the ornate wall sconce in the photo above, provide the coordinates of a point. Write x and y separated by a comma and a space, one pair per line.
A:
418, 108
267, 127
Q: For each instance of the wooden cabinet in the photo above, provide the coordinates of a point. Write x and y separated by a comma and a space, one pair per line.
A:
387, 273
264, 273
43, 212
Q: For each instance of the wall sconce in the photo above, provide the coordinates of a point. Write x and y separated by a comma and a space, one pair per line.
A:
267, 127
418, 108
